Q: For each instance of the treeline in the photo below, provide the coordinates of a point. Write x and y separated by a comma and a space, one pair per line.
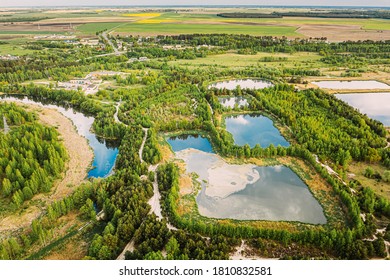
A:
274, 44
32, 156
248, 15
40, 45
22, 19
338, 14
158, 52
327, 14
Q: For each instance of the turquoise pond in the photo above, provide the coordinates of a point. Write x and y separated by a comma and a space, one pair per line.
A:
254, 129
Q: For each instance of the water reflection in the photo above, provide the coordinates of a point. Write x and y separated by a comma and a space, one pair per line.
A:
231, 102
254, 129
351, 85
250, 192
247, 83
186, 141
375, 105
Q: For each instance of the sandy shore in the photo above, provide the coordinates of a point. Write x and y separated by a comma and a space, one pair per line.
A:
222, 178
80, 158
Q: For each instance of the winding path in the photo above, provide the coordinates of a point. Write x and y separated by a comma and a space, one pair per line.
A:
141, 149
154, 201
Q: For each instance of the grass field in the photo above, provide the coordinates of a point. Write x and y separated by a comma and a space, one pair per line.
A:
14, 47
380, 187
92, 28
232, 59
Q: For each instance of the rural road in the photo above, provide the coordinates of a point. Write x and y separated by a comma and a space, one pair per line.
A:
105, 37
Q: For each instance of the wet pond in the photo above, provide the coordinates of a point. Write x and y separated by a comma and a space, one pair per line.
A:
250, 192
231, 102
246, 83
254, 129
351, 85
186, 141
105, 153
375, 105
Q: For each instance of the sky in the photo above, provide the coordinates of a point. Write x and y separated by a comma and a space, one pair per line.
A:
13, 3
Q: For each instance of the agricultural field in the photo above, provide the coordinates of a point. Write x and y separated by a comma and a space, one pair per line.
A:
152, 130
183, 21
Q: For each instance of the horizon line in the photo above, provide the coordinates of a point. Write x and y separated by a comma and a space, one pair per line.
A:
190, 6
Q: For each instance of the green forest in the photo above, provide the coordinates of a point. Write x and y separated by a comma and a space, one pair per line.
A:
32, 156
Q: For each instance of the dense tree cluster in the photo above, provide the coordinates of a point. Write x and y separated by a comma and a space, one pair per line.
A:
31, 156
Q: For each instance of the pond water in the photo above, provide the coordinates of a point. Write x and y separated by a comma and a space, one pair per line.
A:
250, 192
247, 83
254, 129
231, 102
186, 141
375, 105
351, 85
105, 153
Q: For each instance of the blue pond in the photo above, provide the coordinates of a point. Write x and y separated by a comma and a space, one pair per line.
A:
254, 129
186, 141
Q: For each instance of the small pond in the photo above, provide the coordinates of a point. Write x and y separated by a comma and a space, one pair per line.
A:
254, 129
186, 141
246, 83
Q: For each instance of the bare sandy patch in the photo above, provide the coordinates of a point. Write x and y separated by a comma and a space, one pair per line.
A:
185, 183
220, 177
80, 158
225, 179
79, 151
